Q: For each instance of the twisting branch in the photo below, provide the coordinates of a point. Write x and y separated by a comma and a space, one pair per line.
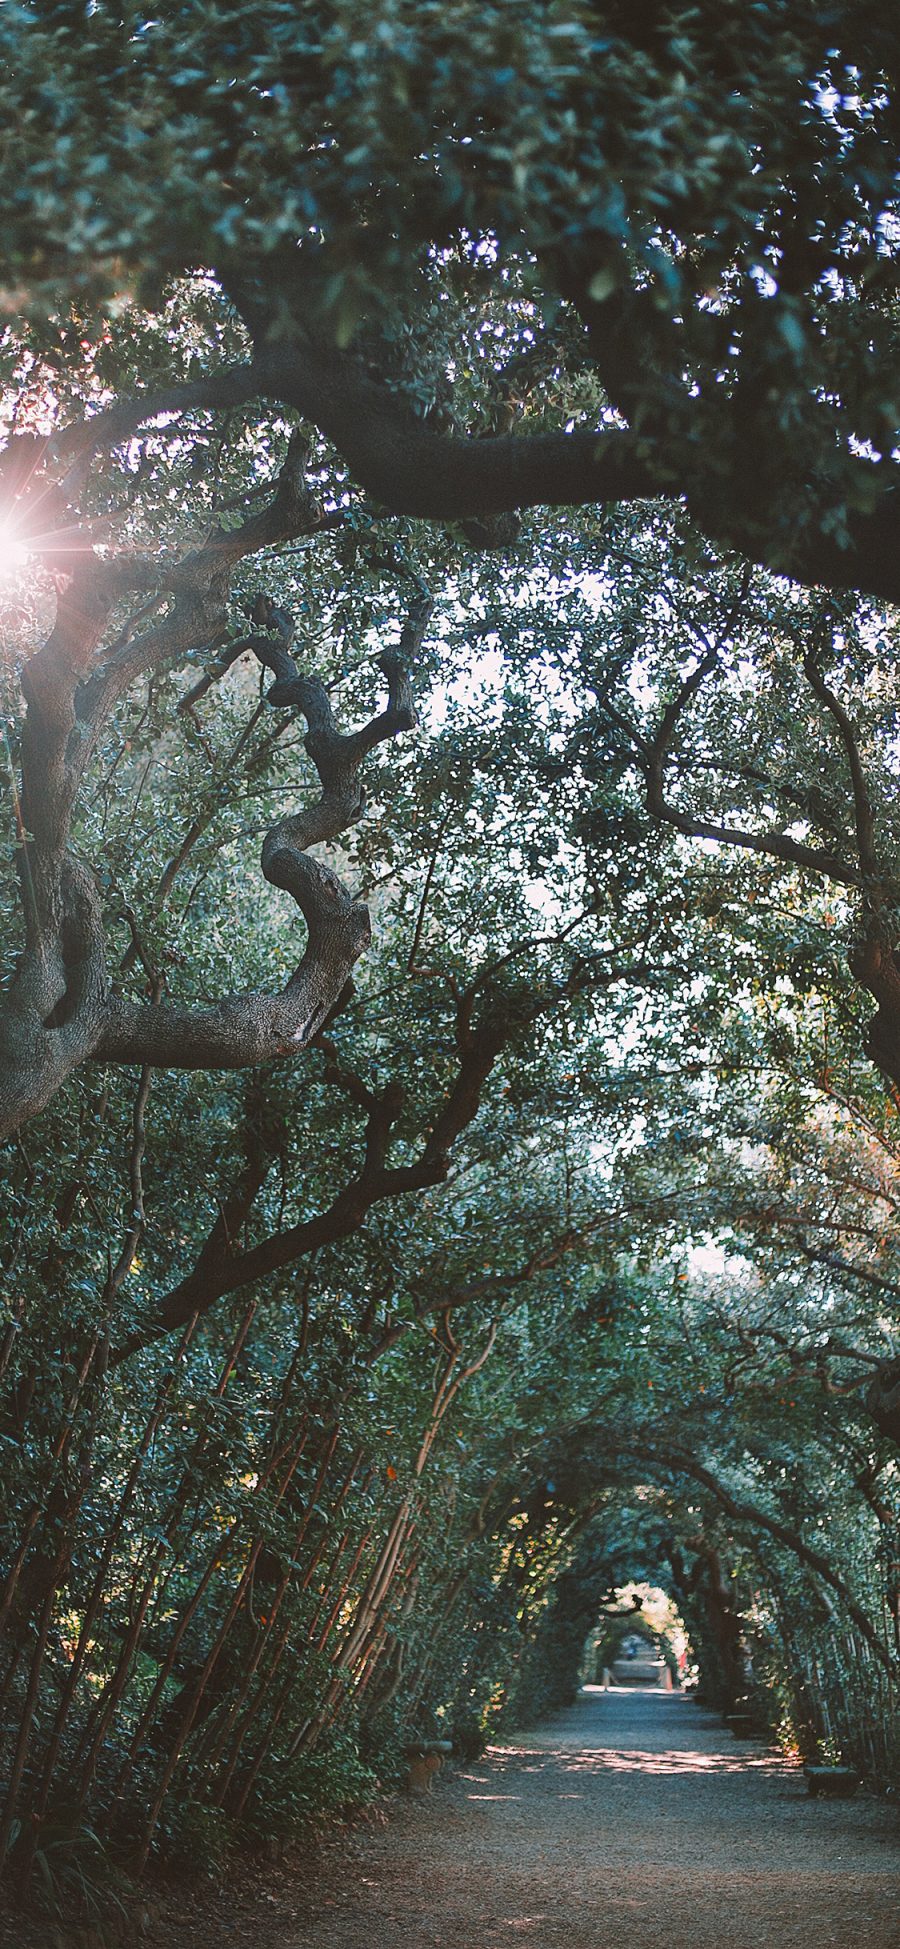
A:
413, 469
251, 1028
60, 1011
221, 1269
652, 755
496, 1288
862, 804
836, 1263
741, 1510
118, 1273
880, 1376
874, 959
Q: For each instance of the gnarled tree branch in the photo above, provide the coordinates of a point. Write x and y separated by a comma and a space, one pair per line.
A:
243, 1029
221, 1269
61, 1010
412, 468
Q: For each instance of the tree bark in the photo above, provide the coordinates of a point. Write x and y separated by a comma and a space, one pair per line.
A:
61, 1009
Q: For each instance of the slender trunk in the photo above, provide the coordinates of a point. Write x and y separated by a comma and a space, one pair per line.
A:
264, 1747
96, 1730
212, 1754
95, 1598
30, 1707
336, 1607
190, 1712
58, 1455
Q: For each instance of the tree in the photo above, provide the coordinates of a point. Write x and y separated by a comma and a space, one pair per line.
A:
710, 324
703, 203
510, 370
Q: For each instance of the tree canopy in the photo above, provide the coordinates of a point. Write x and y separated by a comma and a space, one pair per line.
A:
478, 429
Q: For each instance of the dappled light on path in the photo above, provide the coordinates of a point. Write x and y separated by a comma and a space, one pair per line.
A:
632, 1814
612, 1760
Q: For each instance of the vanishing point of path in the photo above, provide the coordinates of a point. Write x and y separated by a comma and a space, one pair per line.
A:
632, 1818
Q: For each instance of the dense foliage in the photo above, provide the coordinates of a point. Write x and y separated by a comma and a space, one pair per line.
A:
375, 1311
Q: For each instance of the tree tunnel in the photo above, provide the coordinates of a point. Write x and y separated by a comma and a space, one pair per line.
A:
739, 1607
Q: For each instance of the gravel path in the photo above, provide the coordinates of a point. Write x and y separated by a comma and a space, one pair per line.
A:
633, 1818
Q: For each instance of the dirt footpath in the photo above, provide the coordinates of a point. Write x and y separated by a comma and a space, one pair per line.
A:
631, 1818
